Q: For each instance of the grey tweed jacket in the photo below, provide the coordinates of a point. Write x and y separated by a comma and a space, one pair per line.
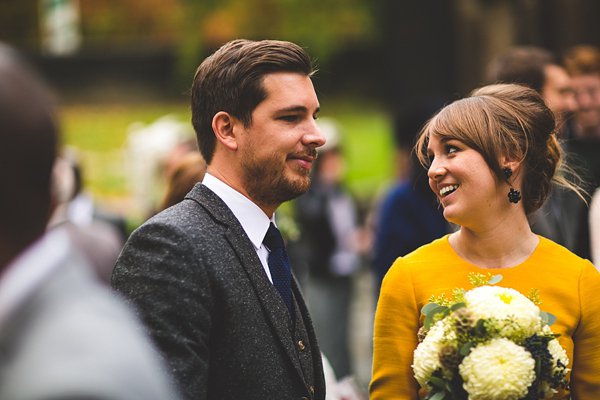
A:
199, 286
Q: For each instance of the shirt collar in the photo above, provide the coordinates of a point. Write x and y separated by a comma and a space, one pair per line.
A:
253, 220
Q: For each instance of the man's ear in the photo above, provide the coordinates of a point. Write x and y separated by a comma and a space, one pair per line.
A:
223, 126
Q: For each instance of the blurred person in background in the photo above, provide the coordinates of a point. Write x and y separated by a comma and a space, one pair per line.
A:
538, 68
409, 216
583, 64
330, 241
152, 151
100, 241
563, 217
82, 208
184, 174
62, 334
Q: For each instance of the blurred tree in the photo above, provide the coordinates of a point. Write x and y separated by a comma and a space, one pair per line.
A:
324, 27
195, 28
131, 22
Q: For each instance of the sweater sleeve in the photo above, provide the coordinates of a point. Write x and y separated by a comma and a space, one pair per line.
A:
585, 377
395, 337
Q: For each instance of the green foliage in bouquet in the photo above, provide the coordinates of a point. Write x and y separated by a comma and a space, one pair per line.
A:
488, 343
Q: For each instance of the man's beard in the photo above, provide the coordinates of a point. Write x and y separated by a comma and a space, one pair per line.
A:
267, 183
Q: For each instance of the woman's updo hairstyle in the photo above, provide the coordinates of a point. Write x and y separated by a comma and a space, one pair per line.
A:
504, 120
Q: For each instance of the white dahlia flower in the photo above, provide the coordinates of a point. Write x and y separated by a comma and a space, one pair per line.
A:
426, 356
503, 303
499, 369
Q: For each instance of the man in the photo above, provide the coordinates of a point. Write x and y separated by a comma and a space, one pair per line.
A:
215, 293
538, 69
583, 64
62, 334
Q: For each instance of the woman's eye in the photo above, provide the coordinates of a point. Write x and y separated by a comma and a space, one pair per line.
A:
452, 149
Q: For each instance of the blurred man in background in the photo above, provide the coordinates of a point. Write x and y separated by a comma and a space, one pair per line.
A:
62, 334
583, 64
538, 69
330, 238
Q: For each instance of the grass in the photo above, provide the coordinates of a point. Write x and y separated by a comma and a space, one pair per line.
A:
99, 132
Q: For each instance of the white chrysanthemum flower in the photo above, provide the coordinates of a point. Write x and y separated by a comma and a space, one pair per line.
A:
499, 369
502, 303
426, 356
557, 353
556, 350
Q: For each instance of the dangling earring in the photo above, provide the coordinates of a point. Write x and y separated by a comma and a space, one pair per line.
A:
514, 195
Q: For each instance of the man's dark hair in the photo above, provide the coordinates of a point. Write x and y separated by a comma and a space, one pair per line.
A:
231, 80
523, 65
28, 142
583, 60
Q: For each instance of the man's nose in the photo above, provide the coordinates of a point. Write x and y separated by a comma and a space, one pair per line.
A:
571, 104
314, 136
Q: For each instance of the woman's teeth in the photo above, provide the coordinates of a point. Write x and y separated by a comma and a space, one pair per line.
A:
448, 189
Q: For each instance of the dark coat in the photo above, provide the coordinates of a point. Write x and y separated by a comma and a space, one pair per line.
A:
198, 284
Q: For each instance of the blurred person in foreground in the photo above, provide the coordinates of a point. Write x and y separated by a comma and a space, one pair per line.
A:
491, 158
62, 334
210, 275
409, 216
563, 217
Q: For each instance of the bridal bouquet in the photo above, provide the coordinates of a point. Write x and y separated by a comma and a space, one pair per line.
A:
489, 343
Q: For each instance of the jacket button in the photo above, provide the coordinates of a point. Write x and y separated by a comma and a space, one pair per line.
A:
304, 398
301, 345
312, 389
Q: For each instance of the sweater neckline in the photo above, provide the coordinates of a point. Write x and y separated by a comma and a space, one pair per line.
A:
446, 240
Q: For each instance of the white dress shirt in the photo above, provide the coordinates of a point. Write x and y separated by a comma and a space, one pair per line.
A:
253, 220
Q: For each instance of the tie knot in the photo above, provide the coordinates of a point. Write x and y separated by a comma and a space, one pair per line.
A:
273, 239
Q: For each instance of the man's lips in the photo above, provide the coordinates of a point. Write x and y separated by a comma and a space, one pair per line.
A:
305, 160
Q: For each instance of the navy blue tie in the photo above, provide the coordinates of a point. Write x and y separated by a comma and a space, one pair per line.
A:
279, 265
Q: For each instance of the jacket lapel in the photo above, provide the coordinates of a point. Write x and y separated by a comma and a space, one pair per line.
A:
272, 305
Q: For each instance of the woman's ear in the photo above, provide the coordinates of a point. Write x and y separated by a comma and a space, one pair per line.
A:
223, 126
510, 163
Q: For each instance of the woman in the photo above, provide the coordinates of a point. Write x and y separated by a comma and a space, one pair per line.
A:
491, 158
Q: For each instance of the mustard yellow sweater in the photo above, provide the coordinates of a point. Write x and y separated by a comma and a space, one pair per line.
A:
569, 288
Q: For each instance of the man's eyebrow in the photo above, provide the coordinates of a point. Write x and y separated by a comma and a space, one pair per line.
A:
296, 109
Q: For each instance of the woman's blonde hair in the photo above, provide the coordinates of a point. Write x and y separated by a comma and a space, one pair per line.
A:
505, 120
